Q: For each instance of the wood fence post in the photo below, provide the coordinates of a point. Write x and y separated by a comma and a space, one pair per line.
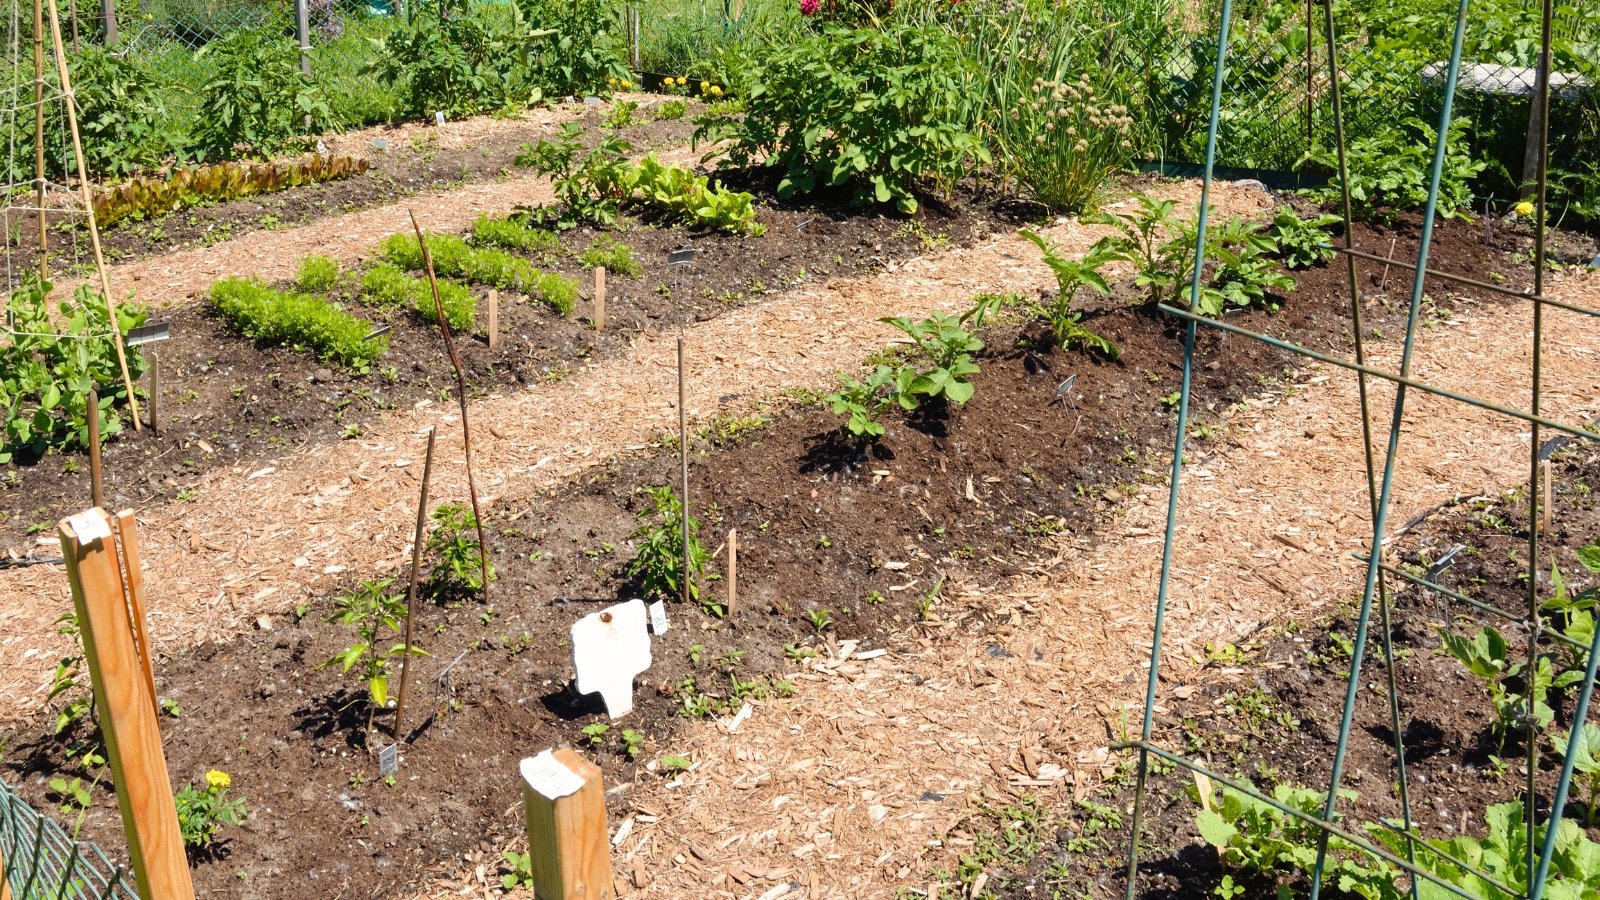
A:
127, 711
568, 845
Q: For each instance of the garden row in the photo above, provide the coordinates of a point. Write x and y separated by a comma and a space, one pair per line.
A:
1266, 712
992, 432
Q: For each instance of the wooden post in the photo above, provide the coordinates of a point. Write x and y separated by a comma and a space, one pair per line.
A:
494, 320
1549, 495
108, 16
88, 192
568, 844
96, 486
132, 571
411, 591
38, 139
155, 393
683, 461
127, 717
599, 298
733, 568
5, 887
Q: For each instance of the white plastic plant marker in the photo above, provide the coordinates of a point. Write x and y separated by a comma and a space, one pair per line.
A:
438, 118
90, 526
658, 617
549, 777
610, 648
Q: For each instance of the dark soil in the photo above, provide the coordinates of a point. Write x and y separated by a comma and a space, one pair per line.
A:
225, 401
946, 497
1277, 722
399, 169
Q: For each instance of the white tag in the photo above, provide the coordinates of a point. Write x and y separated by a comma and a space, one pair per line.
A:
547, 776
90, 526
438, 118
389, 760
658, 617
609, 648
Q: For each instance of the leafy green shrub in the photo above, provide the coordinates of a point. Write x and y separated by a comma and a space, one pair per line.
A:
513, 233
462, 59
257, 100
271, 316
460, 567
580, 49
453, 257
590, 185
880, 109
1154, 239
1302, 243
658, 565
623, 114
202, 813
861, 402
1389, 171
376, 613
1073, 276
1244, 270
616, 256
386, 286
53, 360
122, 115
672, 110
317, 274
947, 349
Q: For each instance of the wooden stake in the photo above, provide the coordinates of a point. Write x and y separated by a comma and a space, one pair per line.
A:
96, 486
494, 320
567, 838
155, 393
88, 193
133, 573
683, 461
733, 569
5, 888
461, 397
127, 717
411, 592
599, 298
1549, 495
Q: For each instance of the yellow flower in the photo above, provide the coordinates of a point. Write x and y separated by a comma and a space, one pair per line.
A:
716, 91
704, 85
1525, 208
217, 779
682, 80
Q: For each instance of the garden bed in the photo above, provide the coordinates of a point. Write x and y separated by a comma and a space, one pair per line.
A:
1267, 711
972, 496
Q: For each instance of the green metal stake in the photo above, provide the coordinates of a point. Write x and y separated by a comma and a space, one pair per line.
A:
1163, 589
1397, 421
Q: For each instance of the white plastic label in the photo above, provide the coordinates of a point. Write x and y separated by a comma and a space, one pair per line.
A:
609, 648
90, 526
549, 777
658, 617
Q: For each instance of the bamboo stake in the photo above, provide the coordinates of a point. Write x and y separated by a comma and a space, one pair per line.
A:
733, 569
494, 320
88, 206
599, 298
96, 491
411, 590
1549, 495
38, 138
461, 396
5, 886
133, 575
155, 393
683, 461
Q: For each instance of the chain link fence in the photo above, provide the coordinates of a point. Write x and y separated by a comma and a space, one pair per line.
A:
42, 862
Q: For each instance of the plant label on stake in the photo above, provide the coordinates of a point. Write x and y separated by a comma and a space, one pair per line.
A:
610, 648
389, 760
658, 617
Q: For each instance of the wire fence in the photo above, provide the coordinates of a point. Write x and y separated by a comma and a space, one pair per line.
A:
1428, 868
42, 862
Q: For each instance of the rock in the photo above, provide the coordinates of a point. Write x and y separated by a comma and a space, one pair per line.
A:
264, 623
322, 375
1251, 184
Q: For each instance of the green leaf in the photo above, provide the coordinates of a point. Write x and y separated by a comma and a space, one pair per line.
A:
1214, 829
